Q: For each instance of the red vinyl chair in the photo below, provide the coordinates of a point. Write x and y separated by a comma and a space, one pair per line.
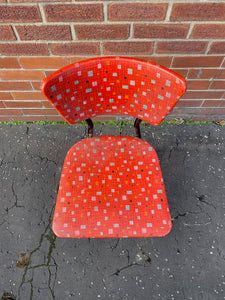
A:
112, 186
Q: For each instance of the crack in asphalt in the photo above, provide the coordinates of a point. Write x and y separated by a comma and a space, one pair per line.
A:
46, 159
50, 237
124, 268
179, 216
142, 259
201, 198
116, 245
16, 200
173, 148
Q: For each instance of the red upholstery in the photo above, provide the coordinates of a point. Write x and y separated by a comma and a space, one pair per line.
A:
112, 186
114, 85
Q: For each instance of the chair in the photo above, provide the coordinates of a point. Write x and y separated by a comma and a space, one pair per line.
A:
112, 186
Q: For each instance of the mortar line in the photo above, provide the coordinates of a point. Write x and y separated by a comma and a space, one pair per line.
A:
73, 33
119, 40
101, 48
111, 22
131, 33
192, 24
168, 13
41, 9
97, 2
15, 33
105, 12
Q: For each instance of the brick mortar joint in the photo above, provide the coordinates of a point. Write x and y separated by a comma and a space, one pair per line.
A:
168, 12
105, 12
164, 55
110, 22
109, 2
222, 65
15, 33
190, 30
73, 33
185, 40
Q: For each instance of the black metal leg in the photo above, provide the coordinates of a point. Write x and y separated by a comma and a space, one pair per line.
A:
137, 128
90, 127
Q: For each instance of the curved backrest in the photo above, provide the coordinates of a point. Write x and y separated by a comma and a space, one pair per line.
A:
113, 85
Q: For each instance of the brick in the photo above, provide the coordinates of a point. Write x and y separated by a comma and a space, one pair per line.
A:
181, 47
202, 95
73, 12
13, 86
74, 59
9, 112
217, 47
214, 103
47, 104
44, 32
6, 33
160, 31
55, 119
5, 96
198, 84
203, 73
21, 75
160, 60
218, 85
35, 1
9, 63
33, 112
75, 48
210, 31
28, 95
124, 48
192, 111
198, 111
36, 85
198, 12
43, 62
217, 111
221, 74
28, 118
102, 31
199, 61
1, 104
137, 11
5, 119
47, 73
23, 49
189, 103
181, 72
23, 104
20, 13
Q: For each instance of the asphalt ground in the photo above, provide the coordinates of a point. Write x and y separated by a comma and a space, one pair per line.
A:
189, 263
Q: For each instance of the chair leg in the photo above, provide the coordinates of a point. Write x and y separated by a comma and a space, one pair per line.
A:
137, 127
90, 127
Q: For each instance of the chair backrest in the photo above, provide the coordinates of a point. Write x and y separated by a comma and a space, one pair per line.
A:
113, 85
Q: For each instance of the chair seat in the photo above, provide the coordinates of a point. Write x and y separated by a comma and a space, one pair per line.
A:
111, 186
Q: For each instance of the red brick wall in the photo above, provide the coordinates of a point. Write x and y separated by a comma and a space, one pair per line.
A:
39, 37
